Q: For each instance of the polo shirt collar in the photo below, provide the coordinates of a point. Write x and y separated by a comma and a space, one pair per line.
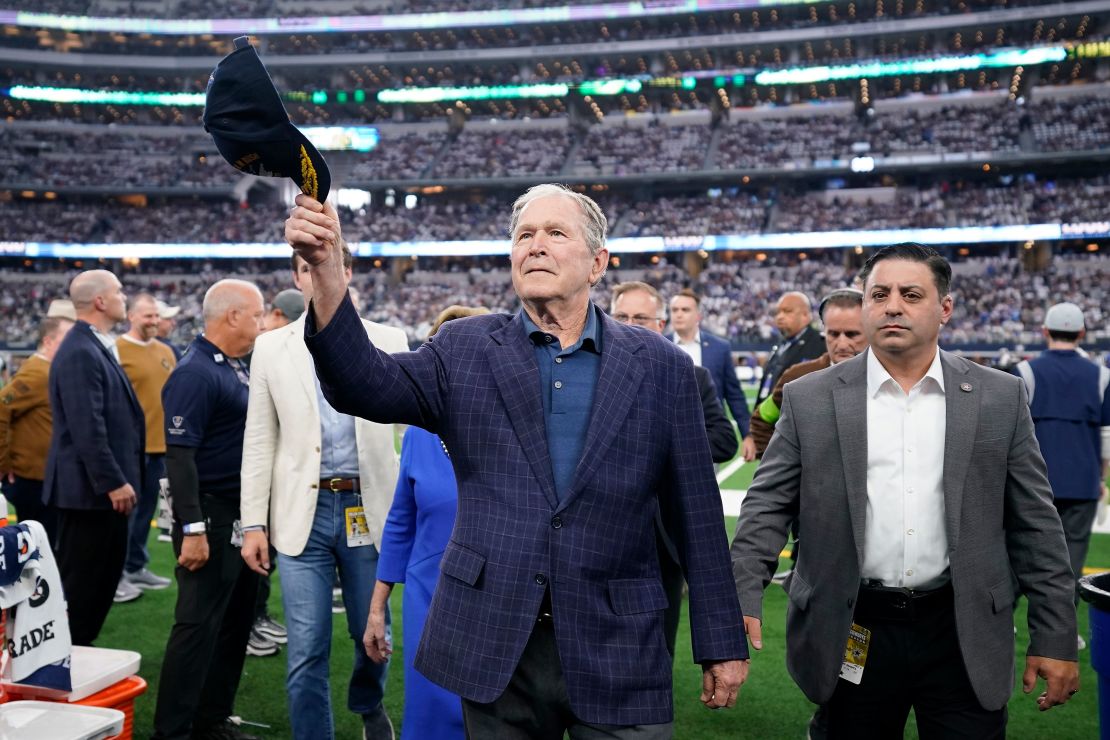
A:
591, 333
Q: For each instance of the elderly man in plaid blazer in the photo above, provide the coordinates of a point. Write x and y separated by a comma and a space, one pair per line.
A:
567, 432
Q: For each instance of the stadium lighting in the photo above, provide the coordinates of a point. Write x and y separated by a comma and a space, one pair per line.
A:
115, 97
863, 164
381, 23
825, 73
342, 138
610, 87
353, 198
1028, 234
492, 92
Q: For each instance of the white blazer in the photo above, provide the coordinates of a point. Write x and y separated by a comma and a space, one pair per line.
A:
281, 446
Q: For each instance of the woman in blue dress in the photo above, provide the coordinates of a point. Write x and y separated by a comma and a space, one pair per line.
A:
416, 533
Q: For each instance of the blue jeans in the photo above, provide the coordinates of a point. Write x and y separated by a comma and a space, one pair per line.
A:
138, 526
306, 587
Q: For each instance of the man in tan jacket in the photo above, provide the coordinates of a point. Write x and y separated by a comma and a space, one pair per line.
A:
25, 424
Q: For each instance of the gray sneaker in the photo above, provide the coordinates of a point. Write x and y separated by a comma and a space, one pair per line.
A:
147, 581
261, 646
377, 726
126, 591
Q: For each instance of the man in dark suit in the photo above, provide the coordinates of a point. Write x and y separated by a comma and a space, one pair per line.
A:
922, 493
96, 454
567, 431
798, 342
714, 354
641, 305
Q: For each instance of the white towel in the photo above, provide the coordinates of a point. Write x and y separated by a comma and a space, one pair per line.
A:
38, 641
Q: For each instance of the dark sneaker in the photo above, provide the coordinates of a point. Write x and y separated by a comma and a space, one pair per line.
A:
146, 580
261, 646
376, 725
272, 630
226, 730
126, 591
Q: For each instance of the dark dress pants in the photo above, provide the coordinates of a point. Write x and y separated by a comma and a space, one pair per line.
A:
912, 663
535, 705
90, 551
26, 495
207, 646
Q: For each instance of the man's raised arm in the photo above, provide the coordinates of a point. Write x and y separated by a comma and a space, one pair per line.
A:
313, 231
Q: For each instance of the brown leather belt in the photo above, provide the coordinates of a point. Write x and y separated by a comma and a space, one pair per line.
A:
335, 485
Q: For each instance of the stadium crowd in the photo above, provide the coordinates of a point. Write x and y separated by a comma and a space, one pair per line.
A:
49, 157
996, 301
1018, 201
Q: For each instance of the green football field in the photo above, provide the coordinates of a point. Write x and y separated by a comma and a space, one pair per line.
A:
770, 705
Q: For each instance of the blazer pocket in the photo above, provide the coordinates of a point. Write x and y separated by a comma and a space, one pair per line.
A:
799, 590
462, 563
1002, 595
636, 595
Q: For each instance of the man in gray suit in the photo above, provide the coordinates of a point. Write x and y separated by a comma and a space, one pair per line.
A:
920, 487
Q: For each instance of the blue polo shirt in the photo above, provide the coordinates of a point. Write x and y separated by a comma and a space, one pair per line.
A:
568, 379
1068, 414
205, 400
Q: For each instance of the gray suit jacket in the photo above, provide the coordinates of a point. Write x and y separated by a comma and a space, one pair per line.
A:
999, 519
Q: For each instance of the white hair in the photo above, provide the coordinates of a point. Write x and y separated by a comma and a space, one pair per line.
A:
595, 224
226, 295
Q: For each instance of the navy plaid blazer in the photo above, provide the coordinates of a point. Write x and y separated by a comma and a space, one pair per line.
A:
476, 385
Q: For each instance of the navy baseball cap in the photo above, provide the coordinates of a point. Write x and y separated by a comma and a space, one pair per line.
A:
245, 116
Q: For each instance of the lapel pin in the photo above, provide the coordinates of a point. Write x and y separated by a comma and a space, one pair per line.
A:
965, 387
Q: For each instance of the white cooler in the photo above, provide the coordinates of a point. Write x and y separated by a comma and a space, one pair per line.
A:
42, 720
92, 669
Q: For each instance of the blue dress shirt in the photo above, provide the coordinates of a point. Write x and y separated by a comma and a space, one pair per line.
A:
568, 378
338, 445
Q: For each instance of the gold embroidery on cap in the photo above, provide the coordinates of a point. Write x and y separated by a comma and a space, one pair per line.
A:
308, 175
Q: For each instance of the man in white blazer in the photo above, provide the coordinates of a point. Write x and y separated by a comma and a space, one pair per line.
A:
318, 485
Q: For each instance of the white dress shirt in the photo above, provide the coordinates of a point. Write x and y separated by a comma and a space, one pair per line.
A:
905, 543
108, 340
692, 348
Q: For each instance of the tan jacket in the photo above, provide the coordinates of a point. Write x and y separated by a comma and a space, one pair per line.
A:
25, 420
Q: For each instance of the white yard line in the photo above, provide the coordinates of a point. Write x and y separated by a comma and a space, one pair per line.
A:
727, 471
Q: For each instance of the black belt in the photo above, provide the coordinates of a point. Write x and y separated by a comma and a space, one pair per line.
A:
335, 485
901, 604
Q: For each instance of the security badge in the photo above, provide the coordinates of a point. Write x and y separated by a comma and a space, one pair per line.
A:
358, 531
855, 654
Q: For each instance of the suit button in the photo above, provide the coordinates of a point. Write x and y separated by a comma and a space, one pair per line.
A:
541, 579
850, 602
557, 523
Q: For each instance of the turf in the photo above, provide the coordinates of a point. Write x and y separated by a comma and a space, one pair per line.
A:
770, 705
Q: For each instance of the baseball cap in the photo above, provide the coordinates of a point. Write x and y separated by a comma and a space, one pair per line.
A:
290, 302
165, 311
244, 114
60, 308
1064, 317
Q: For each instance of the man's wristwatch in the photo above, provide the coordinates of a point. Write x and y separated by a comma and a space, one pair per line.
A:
194, 528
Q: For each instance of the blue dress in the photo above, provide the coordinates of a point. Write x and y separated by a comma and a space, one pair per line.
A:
416, 533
